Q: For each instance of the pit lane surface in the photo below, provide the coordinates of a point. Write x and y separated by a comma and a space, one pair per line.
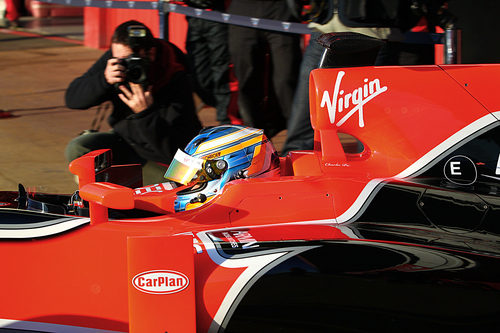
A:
37, 64
34, 74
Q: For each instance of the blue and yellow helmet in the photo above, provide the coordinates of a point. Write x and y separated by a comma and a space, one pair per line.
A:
216, 156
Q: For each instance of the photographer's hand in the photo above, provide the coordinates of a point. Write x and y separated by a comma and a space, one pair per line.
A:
137, 99
114, 72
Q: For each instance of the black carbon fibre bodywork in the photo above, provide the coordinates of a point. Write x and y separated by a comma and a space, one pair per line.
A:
420, 259
373, 287
394, 278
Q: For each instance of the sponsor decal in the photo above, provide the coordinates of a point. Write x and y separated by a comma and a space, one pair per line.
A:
211, 156
188, 160
336, 164
131, 4
160, 282
154, 4
109, 3
353, 101
460, 170
237, 238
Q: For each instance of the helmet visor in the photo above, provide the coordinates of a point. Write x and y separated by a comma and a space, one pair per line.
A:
183, 167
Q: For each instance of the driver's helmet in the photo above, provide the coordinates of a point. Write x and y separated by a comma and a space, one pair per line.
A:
216, 156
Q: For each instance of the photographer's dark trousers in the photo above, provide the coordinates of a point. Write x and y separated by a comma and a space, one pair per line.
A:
248, 48
122, 152
208, 59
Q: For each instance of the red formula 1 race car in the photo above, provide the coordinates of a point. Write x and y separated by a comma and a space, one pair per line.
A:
400, 234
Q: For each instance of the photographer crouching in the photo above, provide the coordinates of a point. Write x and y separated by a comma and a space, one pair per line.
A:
153, 110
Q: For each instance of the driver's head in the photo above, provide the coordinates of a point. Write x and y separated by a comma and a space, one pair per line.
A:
216, 156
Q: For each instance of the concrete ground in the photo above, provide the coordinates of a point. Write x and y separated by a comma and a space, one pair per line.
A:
37, 62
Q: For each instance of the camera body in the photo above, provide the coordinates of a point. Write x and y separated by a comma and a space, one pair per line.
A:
136, 69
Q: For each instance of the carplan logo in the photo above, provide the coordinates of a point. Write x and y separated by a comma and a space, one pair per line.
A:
160, 282
350, 102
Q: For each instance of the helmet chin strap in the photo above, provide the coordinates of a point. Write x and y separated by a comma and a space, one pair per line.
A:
201, 198
242, 174
212, 169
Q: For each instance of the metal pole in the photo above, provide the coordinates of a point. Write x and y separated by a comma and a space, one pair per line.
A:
163, 33
453, 46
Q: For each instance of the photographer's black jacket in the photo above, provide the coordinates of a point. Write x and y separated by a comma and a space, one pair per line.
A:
156, 133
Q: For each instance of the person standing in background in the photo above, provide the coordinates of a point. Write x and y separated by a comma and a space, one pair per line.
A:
248, 48
208, 58
300, 134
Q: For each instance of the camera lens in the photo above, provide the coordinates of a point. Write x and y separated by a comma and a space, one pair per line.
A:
135, 74
136, 69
